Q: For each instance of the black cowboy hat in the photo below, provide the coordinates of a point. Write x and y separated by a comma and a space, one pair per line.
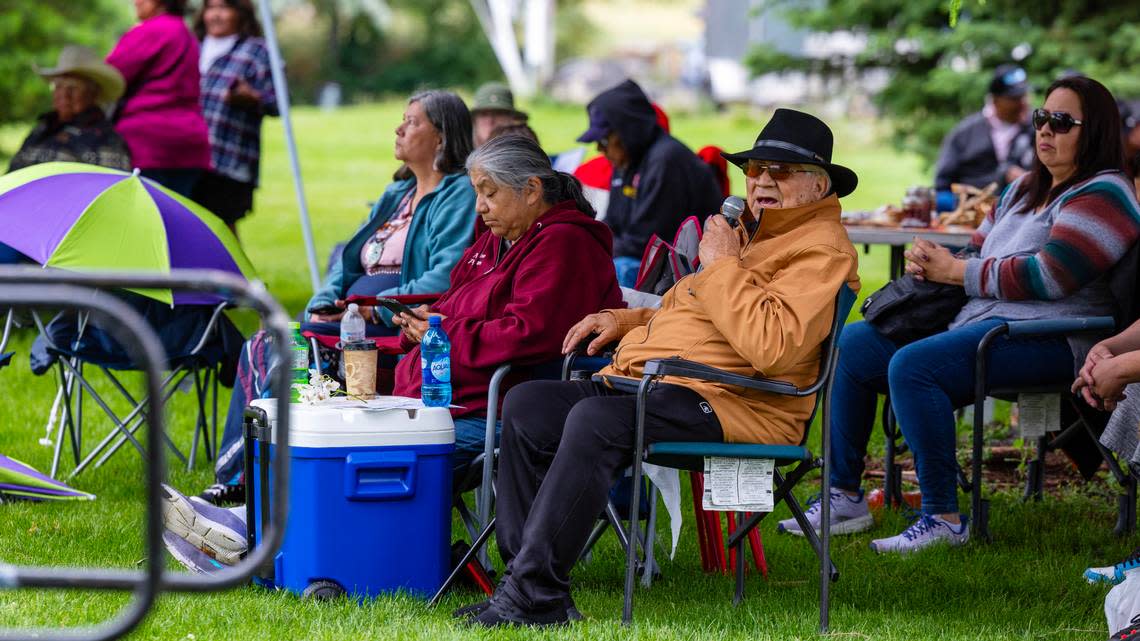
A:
794, 136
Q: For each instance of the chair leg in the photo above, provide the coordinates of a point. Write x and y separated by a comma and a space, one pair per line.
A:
214, 418
596, 534
699, 520
1126, 508
635, 497
1035, 473
758, 559
738, 552
892, 473
650, 536
477, 545
197, 421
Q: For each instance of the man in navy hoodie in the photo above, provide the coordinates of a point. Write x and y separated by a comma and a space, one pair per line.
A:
657, 181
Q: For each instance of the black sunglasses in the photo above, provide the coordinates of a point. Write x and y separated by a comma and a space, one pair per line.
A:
778, 171
1059, 121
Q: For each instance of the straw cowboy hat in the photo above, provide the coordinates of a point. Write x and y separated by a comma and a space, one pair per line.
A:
75, 60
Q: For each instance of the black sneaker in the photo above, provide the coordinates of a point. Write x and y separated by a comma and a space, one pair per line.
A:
219, 494
475, 609
500, 613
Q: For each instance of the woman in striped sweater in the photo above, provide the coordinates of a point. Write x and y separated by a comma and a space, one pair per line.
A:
1045, 252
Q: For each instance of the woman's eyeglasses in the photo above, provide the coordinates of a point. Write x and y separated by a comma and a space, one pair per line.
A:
1059, 121
778, 171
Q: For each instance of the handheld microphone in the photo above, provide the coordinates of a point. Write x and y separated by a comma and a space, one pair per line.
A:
732, 209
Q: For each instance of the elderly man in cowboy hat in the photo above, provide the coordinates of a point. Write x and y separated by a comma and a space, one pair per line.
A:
761, 304
76, 129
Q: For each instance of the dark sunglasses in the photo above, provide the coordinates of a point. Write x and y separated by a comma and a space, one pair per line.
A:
778, 171
1059, 121
604, 142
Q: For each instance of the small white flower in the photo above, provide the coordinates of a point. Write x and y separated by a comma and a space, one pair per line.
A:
320, 388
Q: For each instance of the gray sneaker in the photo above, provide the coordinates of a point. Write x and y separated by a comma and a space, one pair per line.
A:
928, 530
848, 515
216, 531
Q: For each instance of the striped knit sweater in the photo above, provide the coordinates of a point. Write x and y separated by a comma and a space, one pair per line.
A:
1054, 263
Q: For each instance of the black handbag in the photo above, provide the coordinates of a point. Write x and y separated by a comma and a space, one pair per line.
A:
906, 310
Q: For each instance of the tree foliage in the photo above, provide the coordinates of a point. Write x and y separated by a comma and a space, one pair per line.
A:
939, 72
33, 32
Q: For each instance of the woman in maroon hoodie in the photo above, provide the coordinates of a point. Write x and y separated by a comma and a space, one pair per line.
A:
543, 263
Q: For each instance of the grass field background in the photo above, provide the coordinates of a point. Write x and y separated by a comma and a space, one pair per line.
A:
1024, 585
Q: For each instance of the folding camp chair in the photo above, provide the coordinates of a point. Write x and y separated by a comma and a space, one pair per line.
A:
691, 455
201, 365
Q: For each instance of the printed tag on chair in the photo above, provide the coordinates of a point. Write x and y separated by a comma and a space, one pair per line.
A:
738, 485
1038, 413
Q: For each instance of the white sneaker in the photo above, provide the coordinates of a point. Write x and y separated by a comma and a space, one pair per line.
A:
849, 514
928, 530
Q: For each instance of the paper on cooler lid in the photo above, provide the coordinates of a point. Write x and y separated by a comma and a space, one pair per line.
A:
383, 421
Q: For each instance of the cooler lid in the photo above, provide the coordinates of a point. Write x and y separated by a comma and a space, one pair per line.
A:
385, 421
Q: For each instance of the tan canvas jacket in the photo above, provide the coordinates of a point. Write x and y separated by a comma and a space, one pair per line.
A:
764, 314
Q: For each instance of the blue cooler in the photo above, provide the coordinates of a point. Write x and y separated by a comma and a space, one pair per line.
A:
369, 499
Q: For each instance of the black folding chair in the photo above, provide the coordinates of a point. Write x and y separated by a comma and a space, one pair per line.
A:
691, 455
74, 384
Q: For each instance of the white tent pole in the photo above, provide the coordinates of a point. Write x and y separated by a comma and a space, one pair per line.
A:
281, 88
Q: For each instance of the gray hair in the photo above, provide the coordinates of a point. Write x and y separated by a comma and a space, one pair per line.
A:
511, 160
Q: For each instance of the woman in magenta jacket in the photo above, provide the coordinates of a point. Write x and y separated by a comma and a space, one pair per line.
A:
542, 264
160, 116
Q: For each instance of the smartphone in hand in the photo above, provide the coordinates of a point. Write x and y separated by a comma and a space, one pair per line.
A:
396, 307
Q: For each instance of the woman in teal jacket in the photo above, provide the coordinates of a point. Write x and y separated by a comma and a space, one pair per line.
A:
423, 221
414, 236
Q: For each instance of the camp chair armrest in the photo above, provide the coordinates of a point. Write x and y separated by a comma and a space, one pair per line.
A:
1053, 326
689, 369
407, 299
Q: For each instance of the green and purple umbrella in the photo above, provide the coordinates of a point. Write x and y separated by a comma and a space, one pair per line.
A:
83, 217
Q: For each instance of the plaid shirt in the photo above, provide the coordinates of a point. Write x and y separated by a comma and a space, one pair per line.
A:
235, 132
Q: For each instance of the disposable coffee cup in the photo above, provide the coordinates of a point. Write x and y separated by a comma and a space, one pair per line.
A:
360, 369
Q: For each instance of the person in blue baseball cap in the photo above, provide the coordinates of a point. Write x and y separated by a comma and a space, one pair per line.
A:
994, 145
657, 181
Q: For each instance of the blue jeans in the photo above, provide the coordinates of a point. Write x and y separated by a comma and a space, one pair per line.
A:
927, 380
626, 267
470, 437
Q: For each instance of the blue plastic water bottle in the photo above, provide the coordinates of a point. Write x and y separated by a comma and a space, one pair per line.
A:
435, 361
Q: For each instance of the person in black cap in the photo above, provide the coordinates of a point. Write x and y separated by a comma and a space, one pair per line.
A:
762, 304
994, 145
657, 181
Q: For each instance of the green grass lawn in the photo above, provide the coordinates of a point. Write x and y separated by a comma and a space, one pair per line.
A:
1025, 585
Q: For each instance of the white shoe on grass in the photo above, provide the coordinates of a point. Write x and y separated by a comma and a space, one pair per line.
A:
849, 514
1114, 574
928, 530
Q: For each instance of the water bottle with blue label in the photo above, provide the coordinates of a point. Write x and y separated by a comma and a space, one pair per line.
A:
435, 361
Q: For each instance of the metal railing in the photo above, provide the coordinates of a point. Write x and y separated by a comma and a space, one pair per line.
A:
51, 289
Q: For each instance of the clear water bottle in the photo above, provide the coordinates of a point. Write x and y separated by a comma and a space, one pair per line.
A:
352, 326
435, 361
